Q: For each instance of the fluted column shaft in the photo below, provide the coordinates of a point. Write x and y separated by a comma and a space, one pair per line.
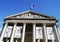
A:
34, 32
1, 38
12, 36
56, 33
23, 34
45, 33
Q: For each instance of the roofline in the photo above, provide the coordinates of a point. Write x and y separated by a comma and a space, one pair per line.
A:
29, 11
42, 14
18, 13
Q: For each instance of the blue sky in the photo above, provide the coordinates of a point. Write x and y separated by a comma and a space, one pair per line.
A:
10, 7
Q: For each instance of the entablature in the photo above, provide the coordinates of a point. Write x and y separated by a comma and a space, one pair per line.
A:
31, 21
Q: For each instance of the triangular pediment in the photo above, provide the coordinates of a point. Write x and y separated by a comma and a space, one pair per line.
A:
29, 14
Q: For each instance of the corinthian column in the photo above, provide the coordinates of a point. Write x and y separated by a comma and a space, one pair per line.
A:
34, 35
12, 36
56, 33
45, 33
23, 34
1, 38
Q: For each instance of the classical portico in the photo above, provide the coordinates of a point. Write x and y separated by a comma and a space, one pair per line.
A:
30, 26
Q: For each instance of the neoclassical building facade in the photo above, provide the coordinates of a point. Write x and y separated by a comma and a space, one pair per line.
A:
30, 26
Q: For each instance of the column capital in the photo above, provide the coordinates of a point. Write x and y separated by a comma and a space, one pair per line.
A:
34, 23
57, 25
24, 23
44, 23
15, 23
6, 22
